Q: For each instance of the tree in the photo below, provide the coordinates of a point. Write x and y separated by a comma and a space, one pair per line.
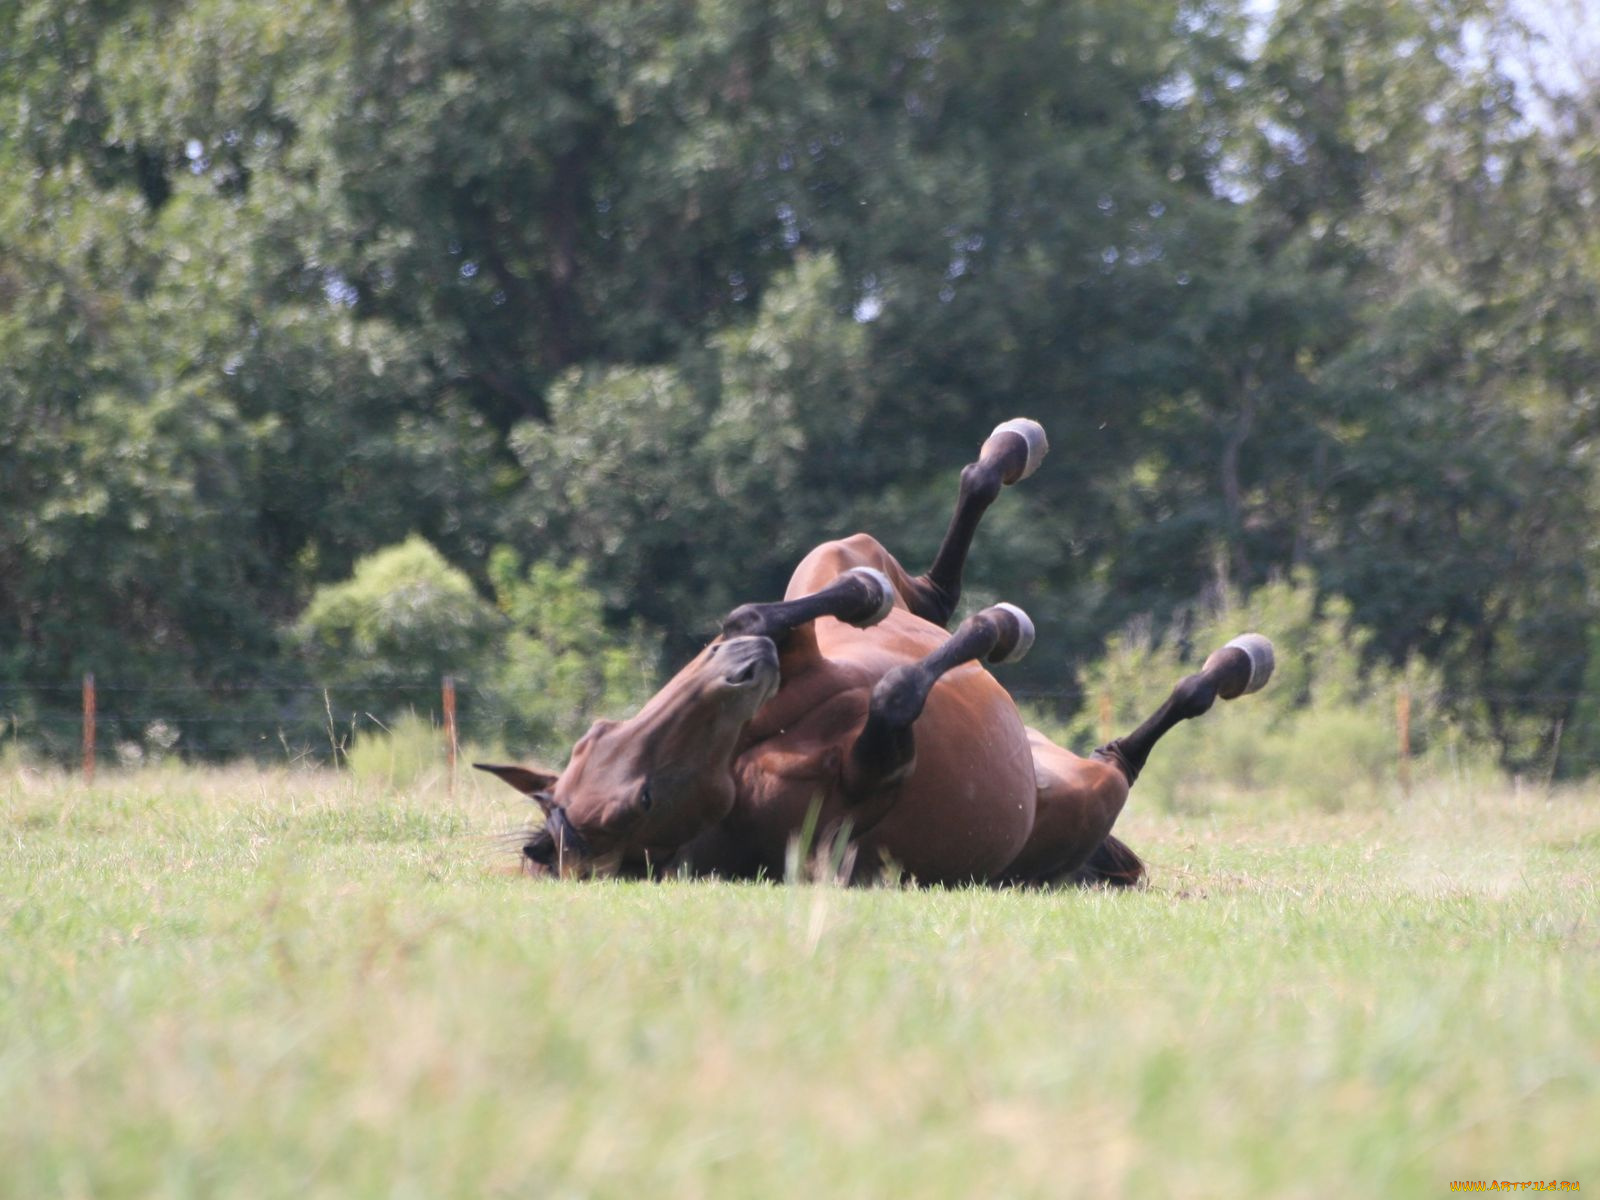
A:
677, 291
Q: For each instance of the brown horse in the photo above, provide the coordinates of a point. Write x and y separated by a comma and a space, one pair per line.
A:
848, 709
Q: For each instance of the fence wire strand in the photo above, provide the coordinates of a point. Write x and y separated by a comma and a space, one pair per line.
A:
122, 717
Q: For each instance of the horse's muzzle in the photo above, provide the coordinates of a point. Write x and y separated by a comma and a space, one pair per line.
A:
557, 842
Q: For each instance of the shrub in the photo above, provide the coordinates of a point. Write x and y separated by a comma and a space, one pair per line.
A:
404, 616
1324, 732
533, 668
557, 667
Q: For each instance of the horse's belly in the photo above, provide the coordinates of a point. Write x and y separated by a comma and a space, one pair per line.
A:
968, 807
964, 813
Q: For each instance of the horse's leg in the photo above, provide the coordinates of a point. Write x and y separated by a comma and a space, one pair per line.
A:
860, 596
885, 750
1242, 666
1011, 453
1079, 799
1110, 864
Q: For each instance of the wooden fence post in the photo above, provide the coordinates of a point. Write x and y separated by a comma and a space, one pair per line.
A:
88, 727
449, 698
1105, 718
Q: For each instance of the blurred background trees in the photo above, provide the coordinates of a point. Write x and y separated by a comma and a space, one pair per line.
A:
639, 301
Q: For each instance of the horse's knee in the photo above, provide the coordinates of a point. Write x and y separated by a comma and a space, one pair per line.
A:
981, 483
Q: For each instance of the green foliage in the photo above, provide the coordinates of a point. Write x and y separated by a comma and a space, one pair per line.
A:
534, 667
405, 616
695, 489
1324, 732
558, 667
679, 290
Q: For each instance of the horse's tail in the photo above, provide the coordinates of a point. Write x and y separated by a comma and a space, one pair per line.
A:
1112, 865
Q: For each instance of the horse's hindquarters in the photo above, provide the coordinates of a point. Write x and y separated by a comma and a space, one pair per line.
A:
1079, 800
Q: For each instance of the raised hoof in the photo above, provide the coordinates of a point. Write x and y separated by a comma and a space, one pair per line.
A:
882, 596
1242, 666
1016, 633
1032, 433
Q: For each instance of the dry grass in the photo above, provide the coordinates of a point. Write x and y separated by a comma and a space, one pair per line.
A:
261, 983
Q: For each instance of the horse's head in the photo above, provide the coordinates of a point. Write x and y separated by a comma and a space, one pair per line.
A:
652, 782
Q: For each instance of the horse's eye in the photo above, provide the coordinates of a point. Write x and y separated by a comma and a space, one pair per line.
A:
646, 800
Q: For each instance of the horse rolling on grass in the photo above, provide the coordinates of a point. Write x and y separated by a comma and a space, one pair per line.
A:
849, 709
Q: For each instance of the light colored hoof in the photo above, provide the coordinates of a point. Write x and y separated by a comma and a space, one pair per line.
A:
885, 595
1025, 634
1033, 433
1262, 660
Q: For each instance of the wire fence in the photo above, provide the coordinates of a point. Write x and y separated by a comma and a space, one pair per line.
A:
87, 721
91, 721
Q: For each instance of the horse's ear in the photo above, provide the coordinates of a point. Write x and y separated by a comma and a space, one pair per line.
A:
528, 780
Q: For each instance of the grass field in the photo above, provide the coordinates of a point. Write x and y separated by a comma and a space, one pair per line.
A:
271, 983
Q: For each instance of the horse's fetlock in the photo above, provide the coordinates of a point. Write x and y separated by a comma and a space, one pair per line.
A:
981, 482
1194, 696
980, 624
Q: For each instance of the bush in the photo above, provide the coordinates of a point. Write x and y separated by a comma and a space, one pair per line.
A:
404, 616
558, 667
533, 668
1323, 733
